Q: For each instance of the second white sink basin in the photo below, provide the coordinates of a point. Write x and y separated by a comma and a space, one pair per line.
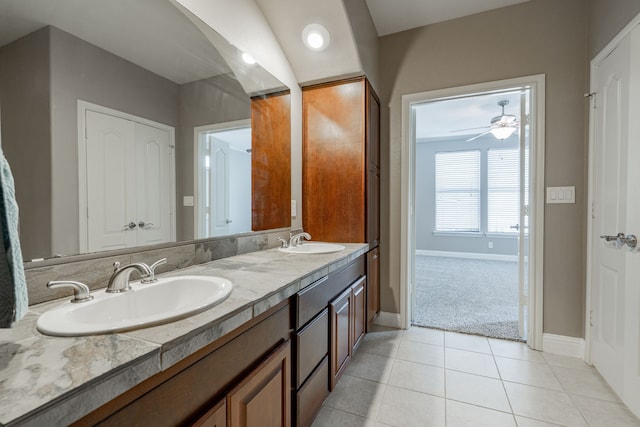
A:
314, 248
144, 305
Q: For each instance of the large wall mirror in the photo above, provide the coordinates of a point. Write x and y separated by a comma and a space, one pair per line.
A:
130, 122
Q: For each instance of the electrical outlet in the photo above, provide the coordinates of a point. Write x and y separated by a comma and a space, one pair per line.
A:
490, 245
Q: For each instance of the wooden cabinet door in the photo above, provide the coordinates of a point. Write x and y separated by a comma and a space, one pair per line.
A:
333, 159
359, 312
271, 162
215, 417
373, 284
340, 312
263, 398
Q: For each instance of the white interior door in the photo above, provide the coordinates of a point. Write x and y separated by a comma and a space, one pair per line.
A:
129, 181
111, 202
523, 231
615, 304
220, 187
153, 170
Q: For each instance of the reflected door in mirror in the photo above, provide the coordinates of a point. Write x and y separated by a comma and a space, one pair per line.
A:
128, 191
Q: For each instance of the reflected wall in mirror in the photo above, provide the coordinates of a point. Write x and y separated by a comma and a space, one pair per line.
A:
102, 104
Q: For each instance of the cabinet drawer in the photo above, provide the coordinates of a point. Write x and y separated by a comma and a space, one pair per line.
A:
312, 344
312, 394
315, 297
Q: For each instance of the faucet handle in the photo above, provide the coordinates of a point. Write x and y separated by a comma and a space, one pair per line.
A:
80, 290
151, 278
283, 242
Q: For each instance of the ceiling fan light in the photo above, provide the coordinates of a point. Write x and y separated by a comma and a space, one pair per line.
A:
502, 132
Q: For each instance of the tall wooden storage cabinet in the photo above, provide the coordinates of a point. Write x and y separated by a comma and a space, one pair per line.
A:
341, 170
341, 166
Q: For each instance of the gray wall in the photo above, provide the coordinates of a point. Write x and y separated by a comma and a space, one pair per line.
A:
26, 134
425, 196
365, 37
539, 36
201, 103
82, 71
606, 19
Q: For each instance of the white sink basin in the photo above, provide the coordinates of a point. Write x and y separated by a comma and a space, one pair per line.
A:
144, 305
314, 248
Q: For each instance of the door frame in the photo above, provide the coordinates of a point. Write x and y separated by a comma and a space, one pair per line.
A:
594, 67
234, 124
83, 107
536, 200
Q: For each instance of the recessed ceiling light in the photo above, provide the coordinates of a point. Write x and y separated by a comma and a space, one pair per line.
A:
316, 37
248, 58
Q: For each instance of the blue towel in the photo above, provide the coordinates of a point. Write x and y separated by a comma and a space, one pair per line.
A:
14, 300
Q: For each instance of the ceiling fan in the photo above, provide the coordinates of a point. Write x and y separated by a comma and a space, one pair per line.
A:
501, 127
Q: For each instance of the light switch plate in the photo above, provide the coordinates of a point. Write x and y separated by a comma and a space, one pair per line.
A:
294, 208
561, 194
187, 201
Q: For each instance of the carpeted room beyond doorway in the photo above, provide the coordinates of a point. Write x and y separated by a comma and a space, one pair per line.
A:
467, 295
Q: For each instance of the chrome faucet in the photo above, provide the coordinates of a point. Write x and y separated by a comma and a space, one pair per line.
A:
295, 239
151, 278
80, 290
119, 281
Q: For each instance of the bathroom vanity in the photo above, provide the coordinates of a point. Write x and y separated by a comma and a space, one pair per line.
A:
268, 351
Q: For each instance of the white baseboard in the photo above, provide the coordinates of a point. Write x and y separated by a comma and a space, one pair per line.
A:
390, 320
562, 345
468, 255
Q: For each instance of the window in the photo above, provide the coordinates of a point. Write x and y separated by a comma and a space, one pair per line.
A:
503, 190
458, 191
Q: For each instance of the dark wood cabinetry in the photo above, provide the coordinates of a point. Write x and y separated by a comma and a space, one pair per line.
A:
373, 285
263, 398
359, 312
323, 342
215, 417
348, 314
191, 391
341, 327
341, 166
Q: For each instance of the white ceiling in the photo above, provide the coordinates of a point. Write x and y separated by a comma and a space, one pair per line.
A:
392, 16
452, 117
150, 33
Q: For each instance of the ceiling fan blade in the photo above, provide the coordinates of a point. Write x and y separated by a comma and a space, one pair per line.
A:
478, 136
464, 130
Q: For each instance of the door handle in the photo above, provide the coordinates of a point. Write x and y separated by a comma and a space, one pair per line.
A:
129, 226
620, 239
228, 221
145, 225
515, 227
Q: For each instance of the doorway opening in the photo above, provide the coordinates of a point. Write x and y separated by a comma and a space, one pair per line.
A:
474, 241
223, 179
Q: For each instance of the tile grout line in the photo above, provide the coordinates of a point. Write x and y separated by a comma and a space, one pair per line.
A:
495, 362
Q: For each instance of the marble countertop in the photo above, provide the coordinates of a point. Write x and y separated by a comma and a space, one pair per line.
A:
54, 381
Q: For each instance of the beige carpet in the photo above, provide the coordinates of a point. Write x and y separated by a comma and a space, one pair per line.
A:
467, 295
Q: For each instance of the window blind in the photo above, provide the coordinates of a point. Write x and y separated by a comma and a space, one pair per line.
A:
458, 191
503, 190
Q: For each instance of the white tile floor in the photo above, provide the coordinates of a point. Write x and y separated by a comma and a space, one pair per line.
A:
424, 377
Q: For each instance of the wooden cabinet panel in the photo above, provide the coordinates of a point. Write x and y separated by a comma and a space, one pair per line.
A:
263, 399
216, 417
373, 285
312, 394
340, 312
315, 297
271, 162
341, 162
185, 396
312, 345
334, 161
373, 206
373, 128
359, 312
